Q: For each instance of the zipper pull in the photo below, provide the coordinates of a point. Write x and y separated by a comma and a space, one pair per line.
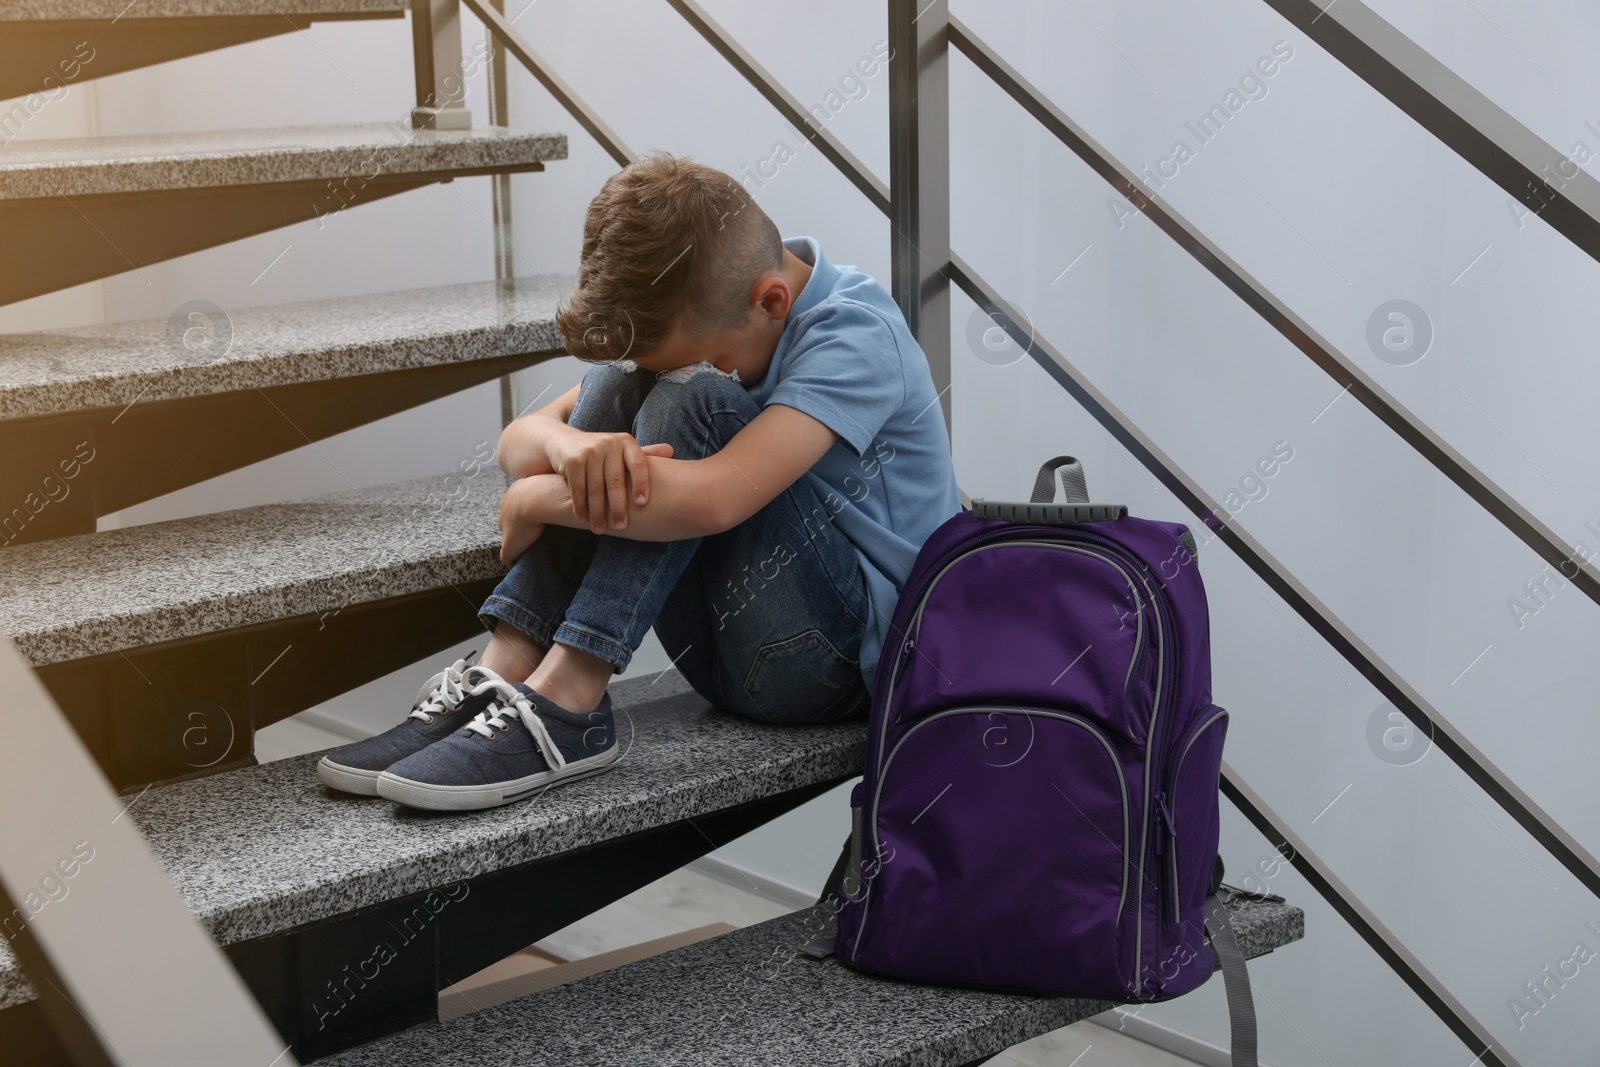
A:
909, 650
1166, 819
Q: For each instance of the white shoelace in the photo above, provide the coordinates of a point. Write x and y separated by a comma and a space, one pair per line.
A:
443, 691
512, 703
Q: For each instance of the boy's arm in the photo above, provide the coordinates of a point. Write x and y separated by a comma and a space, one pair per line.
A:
521, 451
599, 468
695, 497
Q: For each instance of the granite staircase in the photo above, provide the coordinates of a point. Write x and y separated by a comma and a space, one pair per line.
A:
212, 627
168, 645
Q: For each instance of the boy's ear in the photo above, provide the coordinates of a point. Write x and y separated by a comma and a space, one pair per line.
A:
770, 295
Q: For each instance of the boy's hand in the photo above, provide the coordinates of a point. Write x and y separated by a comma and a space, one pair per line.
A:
600, 468
518, 531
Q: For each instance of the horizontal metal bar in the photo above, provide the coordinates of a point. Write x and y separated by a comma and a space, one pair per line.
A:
1451, 741
1365, 922
1410, 429
1507, 153
564, 94
789, 107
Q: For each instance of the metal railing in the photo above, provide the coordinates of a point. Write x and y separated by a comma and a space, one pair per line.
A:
1505, 151
916, 202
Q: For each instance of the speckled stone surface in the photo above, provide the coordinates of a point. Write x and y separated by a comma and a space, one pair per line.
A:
111, 366
33, 10
87, 166
265, 849
747, 998
105, 592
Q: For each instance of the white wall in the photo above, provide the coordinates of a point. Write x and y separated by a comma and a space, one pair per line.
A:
1322, 190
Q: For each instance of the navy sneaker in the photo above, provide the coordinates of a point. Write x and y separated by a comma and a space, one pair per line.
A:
516, 748
445, 703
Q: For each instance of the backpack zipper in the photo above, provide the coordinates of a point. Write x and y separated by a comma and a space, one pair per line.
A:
1163, 695
913, 620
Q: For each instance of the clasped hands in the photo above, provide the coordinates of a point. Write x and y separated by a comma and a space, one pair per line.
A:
592, 474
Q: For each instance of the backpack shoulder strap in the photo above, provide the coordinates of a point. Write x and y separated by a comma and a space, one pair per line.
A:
1235, 979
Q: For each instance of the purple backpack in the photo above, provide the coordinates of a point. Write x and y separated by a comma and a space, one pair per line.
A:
1039, 809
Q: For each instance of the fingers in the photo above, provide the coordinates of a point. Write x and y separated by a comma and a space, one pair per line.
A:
638, 472
597, 493
517, 540
578, 489
601, 477
507, 525
617, 485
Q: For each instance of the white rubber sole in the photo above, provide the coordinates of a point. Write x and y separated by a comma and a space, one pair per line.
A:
347, 779
430, 797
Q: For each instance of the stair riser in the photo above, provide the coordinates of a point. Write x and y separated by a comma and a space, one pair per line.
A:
312, 982
149, 448
73, 51
191, 707
96, 236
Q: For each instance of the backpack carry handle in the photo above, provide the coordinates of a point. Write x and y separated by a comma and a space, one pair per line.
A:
1074, 486
1040, 510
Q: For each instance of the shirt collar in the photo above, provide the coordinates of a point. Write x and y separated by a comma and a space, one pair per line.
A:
823, 275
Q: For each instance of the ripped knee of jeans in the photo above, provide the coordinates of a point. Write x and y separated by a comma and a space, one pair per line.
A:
683, 374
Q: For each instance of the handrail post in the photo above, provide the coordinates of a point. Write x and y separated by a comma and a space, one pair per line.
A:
441, 84
919, 178
505, 268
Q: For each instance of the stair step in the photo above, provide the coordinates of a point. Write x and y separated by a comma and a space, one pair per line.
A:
76, 10
93, 207
263, 850
748, 997
235, 620
138, 163
117, 364
156, 412
98, 594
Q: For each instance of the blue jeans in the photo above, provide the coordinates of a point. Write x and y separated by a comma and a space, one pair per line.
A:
765, 619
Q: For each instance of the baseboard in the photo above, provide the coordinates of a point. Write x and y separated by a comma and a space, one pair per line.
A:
458, 1001
746, 879
1165, 1038
334, 725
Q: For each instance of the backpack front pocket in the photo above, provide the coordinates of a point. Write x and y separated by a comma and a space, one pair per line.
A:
1005, 834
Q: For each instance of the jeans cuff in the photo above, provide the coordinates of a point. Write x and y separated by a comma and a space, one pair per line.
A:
608, 650
518, 617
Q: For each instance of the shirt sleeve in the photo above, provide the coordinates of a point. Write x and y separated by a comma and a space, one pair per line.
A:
846, 372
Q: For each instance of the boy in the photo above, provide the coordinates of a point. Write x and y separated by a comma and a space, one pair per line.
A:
751, 466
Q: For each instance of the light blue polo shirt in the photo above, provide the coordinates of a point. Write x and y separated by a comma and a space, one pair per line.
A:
847, 359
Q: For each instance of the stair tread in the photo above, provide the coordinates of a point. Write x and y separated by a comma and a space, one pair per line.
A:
746, 997
116, 364
265, 849
137, 163
94, 594
63, 10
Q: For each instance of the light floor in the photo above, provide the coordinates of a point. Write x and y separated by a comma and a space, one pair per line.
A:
688, 899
